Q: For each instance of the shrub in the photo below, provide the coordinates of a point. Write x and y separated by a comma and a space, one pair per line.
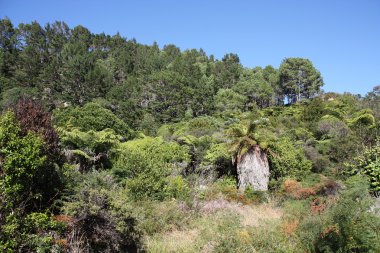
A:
89, 149
91, 117
368, 164
36, 232
33, 117
287, 160
350, 226
294, 189
332, 127
145, 165
95, 224
27, 176
342, 224
29, 183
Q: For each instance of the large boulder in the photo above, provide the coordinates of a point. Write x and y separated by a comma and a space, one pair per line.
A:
253, 169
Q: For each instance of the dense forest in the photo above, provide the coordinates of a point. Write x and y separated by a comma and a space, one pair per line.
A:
109, 145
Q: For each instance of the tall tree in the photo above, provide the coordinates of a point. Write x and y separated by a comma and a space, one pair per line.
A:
299, 79
255, 87
8, 53
167, 96
34, 54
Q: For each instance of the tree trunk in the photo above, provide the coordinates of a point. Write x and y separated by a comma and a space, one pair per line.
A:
253, 169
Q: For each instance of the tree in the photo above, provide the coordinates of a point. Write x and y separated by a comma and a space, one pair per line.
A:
299, 79
228, 70
255, 87
167, 96
77, 62
228, 102
33, 56
8, 53
250, 159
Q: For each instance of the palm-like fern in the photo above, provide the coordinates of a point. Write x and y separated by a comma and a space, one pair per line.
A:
246, 137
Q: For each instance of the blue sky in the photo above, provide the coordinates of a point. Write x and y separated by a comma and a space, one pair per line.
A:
341, 37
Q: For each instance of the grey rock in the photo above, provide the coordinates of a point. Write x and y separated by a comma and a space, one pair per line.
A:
253, 169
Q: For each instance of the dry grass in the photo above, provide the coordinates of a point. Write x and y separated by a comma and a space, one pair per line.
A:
251, 215
209, 228
173, 241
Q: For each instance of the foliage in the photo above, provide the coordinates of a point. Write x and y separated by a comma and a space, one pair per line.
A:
91, 117
95, 226
35, 232
117, 190
288, 160
23, 161
216, 152
348, 226
331, 127
246, 136
10, 97
229, 102
368, 164
146, 164
299, 79
27, 183
257, 85
33, 117
89, 149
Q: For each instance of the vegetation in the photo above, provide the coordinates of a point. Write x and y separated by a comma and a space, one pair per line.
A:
108, 145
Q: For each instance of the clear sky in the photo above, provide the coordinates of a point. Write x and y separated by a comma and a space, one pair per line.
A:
341, 37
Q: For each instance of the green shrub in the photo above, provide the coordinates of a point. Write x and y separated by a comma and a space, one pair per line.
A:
34, 232
100, 225
368, 164
177, 187
145, 165
91, 117
287, 160
22, 160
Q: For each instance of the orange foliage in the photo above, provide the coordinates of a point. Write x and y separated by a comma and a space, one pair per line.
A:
61, 242
289, 227
317, 206
329, 230
64, 218
295, 190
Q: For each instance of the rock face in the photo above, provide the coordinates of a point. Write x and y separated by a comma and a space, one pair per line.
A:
253, 170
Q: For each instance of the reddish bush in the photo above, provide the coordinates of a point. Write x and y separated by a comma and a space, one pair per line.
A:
317, 206
33, 117
291, 186
64, 218
295, 190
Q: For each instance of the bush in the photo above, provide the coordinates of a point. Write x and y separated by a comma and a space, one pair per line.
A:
97, 225
287, 160
332, 127
91, 117
89, 149
27, 175
344, 225
29, 183
145, 165
367, 164
36, 232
